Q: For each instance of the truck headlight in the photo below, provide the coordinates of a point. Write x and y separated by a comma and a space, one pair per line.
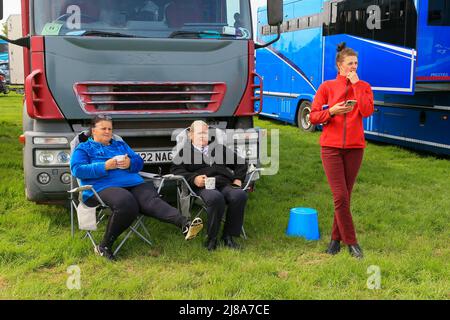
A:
63, 157
46, 158
52, 157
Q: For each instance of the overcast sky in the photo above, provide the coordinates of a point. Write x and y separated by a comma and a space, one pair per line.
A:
255, 5
10, 7
13, 7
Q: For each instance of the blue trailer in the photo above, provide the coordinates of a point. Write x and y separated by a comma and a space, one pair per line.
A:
404, 53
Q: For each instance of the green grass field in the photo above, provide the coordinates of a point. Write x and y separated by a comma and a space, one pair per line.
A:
401, 210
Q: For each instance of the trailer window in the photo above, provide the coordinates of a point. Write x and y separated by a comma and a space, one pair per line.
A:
439, 12
142, 18
397, 20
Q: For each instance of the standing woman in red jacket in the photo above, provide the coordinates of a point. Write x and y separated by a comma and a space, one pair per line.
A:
342, 141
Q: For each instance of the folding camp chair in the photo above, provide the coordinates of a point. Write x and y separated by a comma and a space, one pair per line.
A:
186, 196
76, 203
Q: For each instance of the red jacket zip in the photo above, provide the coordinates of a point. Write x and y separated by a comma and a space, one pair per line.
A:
345, 115
345, 130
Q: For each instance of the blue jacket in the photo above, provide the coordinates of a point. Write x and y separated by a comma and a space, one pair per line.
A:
88, 165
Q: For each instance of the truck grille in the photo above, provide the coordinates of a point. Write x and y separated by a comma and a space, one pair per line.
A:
149, 97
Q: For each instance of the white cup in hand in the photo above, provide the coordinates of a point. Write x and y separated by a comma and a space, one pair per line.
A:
119, 158
210, 183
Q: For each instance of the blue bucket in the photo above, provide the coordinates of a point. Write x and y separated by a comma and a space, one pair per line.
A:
303, 222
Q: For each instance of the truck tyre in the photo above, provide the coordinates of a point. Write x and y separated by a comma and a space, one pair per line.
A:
303, 117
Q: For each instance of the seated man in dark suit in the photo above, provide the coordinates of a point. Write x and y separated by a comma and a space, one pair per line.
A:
196, 162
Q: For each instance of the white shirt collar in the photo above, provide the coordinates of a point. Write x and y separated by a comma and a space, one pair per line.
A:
203, 150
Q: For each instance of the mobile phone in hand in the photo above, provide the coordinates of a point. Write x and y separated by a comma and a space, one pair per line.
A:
350, 103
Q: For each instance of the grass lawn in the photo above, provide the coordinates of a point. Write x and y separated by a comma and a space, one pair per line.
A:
401, 210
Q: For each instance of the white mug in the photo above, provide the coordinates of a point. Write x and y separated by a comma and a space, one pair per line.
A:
119, 157
210, 183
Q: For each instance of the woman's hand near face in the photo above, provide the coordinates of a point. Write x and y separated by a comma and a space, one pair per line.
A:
340, 108
353, 77
111, 164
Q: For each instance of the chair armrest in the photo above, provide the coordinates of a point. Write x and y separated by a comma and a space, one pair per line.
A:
82, 188
87, 187
173, 177
149, 175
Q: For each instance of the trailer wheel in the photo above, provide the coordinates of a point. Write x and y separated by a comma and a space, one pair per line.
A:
303, 117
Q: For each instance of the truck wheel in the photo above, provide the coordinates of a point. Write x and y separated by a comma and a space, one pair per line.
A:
303, 117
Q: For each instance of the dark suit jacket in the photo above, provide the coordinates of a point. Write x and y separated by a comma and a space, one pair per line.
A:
225, 173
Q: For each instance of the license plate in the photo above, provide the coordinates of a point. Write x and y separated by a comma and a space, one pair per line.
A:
156, 156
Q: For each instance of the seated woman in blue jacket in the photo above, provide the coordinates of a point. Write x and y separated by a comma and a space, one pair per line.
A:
119, 185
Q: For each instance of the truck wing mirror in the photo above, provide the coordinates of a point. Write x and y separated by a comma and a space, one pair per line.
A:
275, 19
22, 42
275, 12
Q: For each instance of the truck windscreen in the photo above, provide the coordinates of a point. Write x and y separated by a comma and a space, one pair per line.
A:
218, 19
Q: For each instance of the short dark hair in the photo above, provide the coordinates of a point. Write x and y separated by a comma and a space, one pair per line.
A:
98, 118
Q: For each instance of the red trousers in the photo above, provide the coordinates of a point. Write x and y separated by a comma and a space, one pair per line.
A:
341, 167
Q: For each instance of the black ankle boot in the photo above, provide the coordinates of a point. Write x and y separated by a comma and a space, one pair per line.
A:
228, 241
334, 247
211, 244
104, 252
356, 251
